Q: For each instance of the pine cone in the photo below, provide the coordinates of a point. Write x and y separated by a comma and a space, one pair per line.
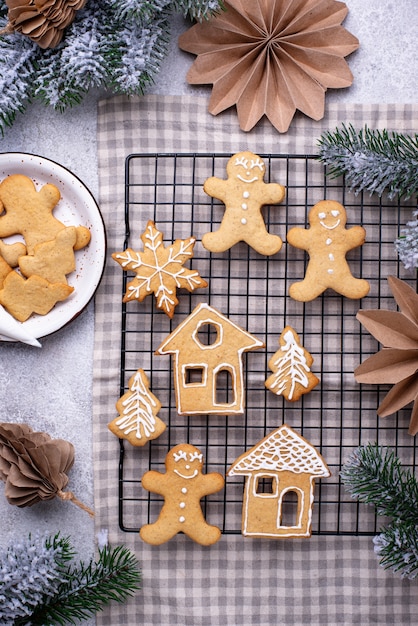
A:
43, 21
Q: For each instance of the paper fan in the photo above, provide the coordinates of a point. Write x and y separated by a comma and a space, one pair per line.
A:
271, 57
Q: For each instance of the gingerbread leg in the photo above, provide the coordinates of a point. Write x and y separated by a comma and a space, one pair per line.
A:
220, 240
203, 533
354, 288
158, 532
267, 244
306, 290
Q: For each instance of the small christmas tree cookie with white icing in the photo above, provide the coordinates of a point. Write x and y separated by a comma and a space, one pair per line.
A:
292, 376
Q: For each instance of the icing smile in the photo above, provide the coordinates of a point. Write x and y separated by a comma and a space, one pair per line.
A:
337, 223
247, 180
195, 473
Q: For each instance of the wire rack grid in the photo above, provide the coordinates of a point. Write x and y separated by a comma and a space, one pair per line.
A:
252, 291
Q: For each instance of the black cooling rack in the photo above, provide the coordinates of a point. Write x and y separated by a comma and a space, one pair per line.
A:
252, 290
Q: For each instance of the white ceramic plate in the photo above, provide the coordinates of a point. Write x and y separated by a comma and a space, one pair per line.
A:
76, 207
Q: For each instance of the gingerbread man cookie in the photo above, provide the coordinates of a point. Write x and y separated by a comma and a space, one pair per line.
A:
327, 241
28, 212
182, 486
243, 193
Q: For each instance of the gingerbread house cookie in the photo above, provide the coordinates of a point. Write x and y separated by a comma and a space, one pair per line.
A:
280, 473
208, 370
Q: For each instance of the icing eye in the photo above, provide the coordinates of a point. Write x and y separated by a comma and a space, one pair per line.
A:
335, 213
180, 455
322, 216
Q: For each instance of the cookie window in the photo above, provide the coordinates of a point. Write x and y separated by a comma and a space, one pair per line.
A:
208, 334
195, 375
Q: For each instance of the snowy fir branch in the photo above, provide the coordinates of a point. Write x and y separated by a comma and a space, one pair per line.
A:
115, 45
407, 243
372, 160
40, 583
375, 476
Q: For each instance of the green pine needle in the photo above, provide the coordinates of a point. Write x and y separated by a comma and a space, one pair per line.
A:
374, 475
372, 160
90, 587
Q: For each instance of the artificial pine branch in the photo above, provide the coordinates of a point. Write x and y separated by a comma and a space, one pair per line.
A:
116, 44
89, 587
372, 160
407, 243
375, 476
40, 583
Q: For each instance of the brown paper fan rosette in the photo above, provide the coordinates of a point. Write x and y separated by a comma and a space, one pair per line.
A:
271, 57
43, 21
34, 466
397, 362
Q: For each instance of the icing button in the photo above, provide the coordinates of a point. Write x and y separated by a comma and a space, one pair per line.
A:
184, 490
246, 194
244, 206
182, 505
182, 519
243, 221
328, 241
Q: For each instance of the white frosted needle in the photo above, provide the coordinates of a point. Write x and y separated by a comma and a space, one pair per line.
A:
11, 328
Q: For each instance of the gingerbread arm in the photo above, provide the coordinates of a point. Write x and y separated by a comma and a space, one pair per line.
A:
355, 236
299, 238
215, 187
275, 193
154, 481
210, 483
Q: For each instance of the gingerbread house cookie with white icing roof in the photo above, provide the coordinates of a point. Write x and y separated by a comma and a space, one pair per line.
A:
281, 466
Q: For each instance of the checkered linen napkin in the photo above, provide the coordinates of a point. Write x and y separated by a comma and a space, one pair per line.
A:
324, 580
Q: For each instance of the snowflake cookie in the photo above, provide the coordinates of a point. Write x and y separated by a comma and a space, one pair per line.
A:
290, 365
159, 269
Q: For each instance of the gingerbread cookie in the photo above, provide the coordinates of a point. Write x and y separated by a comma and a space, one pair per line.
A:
280, 472
183, 486
244, 193
22, 297
138, 421
28, 212
208, 371
159, 269
292, 376
12, 251
52, 260
327, 241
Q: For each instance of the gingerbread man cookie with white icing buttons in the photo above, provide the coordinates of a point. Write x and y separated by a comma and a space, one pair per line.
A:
327, 242
183, 486
244, 193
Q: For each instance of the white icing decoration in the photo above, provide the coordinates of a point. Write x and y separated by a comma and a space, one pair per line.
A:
335, 213
337, 223
244, 206
246, 342
247, 180
330, 271
182, 505
243, 221
281, 451
181, 454
246, 194
184, 490
182, 519
195, 473
328, 241
290, 367
331, 257
138, 410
